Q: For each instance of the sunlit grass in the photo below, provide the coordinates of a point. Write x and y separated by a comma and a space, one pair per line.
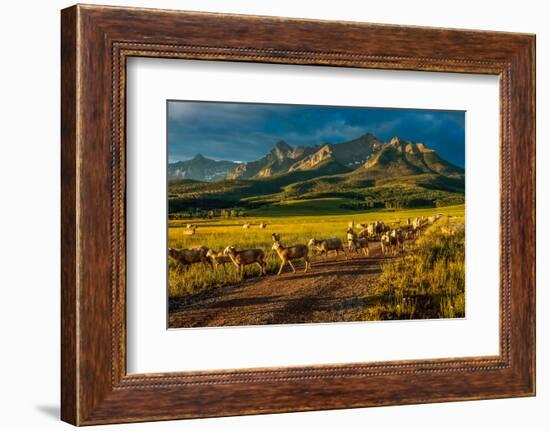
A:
428, 282
219, 233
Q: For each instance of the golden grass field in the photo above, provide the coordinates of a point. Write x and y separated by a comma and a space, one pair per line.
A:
220, 233
428, 281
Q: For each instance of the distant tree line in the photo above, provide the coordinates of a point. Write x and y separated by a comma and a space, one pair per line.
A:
192, 213
402, 202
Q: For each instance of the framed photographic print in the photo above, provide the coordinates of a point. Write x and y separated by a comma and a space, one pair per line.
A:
348, 206
265, 214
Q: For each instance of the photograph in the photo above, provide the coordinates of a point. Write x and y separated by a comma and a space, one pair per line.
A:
287, 214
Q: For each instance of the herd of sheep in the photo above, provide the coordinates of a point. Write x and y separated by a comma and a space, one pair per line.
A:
391, 240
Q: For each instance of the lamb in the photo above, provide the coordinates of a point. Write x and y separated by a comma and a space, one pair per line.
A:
241, 258
187, 257
287, 254
218, 258
326, 245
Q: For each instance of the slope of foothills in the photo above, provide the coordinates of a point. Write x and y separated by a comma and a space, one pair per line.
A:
363, 173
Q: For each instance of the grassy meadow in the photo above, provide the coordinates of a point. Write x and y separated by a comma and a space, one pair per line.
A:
298, 221
428, 282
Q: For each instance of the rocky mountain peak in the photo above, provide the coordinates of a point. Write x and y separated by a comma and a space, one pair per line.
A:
367, 136
396, 141
399, 157
365, 151
282, 146
281, 150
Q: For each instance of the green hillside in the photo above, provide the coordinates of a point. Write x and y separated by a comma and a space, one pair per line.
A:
398, 174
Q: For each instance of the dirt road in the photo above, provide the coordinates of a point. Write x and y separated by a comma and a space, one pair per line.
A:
334, 291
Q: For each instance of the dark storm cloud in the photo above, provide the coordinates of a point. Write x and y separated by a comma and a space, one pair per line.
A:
244, 132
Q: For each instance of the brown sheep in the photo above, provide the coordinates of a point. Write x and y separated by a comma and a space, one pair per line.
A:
241, 258
351, 237
286, 254
326, 245
362, 244
365, 233
187, 257
399, 235
374, 229
410, 233
218, 258
356, 243
388, 244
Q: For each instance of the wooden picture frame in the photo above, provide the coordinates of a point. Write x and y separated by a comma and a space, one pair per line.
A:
95, 43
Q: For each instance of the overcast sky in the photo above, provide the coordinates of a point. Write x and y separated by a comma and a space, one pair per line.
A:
245, 131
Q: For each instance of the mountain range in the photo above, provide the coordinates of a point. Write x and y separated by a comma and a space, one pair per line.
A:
366, 169
367, 155
201, 168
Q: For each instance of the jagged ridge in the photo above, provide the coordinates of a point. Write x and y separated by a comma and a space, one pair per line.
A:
200, 168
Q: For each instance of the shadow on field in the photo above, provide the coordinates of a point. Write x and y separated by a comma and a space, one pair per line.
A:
336, 272
237, 302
